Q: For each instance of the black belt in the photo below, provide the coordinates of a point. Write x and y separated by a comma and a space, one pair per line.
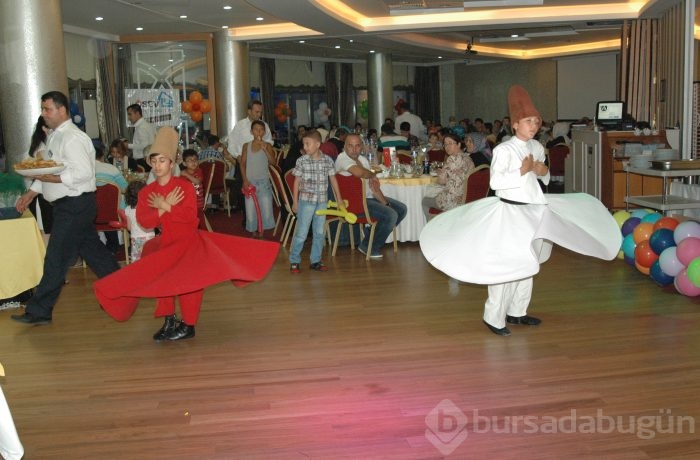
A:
517, 203
66, 198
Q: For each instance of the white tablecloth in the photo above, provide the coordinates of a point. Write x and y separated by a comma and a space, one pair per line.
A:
10, 445
409, 191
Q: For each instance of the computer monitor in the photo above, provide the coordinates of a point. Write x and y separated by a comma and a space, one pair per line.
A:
610, 113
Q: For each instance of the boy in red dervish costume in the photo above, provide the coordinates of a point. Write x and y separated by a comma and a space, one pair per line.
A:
183, 260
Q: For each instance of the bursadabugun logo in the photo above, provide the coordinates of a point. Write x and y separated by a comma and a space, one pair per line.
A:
447, 427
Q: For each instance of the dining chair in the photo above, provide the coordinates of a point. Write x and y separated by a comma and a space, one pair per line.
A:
283, 199
107, 197
476, 186
436, 155
123, 225
353, 190
404, 158
214, 172
557, 156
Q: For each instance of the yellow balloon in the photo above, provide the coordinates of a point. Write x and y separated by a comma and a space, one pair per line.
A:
620, 217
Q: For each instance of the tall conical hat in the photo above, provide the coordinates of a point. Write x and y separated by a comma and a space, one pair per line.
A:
165, 143
520, 105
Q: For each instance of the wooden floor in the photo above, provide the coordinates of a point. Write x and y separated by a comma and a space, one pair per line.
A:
348, 364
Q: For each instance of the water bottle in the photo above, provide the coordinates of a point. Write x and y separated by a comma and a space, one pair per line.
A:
426, 164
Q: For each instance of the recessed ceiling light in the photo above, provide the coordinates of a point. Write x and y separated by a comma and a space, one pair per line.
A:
183, 16
351, 40
439, 57
227, 7
99, 18
171, 60
139, 28
224, 27
513, 35
371, 51
337, 47
260, 18
302, 41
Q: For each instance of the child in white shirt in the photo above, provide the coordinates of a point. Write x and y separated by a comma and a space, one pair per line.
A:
139, 235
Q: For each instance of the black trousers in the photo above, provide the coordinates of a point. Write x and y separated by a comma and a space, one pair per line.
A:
73, 235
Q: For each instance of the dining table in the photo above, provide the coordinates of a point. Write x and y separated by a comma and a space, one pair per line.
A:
410, 191
22, 250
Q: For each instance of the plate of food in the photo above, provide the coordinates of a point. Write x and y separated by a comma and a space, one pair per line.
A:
31, 167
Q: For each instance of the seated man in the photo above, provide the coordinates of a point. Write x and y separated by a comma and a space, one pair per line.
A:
389, 138
388, 212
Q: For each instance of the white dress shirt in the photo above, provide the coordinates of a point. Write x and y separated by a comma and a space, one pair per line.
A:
418, 129
343, 164
241, 134
505, 171
67, 144
144, 134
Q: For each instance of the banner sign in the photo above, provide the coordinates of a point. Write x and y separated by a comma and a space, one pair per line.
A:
160, 107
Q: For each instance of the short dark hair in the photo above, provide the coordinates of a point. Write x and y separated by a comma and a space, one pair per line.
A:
59, 99
135, 108
387, 128
131, 195
189, 153
405, 126
257, 122
254, 102
212, 139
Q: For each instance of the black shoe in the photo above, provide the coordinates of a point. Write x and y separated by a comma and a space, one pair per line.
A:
524, 320
504, 331
169, 326
28, 318
183, 331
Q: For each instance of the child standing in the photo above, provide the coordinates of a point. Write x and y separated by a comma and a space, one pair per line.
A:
139, 235
501, 241
193, 173
182, 260
255, 158
312, 173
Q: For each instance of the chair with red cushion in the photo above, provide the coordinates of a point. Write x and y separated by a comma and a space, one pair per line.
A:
476, 186
353, 192
436, 155
556, 156
107, 196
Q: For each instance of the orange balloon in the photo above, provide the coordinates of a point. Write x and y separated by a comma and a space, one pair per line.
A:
205, 106
195, 97
186, 106
196, 116
196, 107
642, 232
642, 269
666, 222
644, 256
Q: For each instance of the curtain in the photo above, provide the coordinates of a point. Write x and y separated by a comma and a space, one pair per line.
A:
427, 88
638, 63
346, 103
332, 91
267, 89
106, 93
124, 80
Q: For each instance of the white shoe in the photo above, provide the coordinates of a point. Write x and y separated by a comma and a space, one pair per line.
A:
371, 256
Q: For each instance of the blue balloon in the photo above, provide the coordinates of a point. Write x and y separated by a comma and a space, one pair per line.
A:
628, 246
629, 225
629, 261
652, 217
658, 275
661, 239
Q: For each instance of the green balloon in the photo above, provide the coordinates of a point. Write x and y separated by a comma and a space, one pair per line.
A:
694, 272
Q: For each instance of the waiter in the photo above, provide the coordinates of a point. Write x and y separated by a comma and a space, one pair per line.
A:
72, 194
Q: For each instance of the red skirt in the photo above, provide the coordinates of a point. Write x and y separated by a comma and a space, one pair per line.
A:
184, 266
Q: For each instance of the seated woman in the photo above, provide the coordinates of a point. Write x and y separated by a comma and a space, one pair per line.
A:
452, 176
119, 156
478, 148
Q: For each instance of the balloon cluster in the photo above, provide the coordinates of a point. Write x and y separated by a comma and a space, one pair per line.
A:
196, 106
323, 112
282, 112
663, 248
363, 109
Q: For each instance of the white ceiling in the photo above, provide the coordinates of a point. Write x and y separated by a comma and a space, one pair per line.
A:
358, 26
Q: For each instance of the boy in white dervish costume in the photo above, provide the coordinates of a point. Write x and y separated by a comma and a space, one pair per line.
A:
501, 241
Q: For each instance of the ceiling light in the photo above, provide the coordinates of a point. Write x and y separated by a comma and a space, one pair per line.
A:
260, 18
183, 16
302, 41
139, 28
337, 47
439, 57
224, 27
227, 7
351, 41
99, 18
371, 51
513, 35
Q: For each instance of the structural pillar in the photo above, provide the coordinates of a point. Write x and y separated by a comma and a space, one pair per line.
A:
32, 62
231, 70
379, 88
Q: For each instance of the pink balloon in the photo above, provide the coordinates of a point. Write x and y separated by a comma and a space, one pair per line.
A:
686, 229
685, 286
688, 249
669, 263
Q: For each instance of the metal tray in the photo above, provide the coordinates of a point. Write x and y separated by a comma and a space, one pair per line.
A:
671, 165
